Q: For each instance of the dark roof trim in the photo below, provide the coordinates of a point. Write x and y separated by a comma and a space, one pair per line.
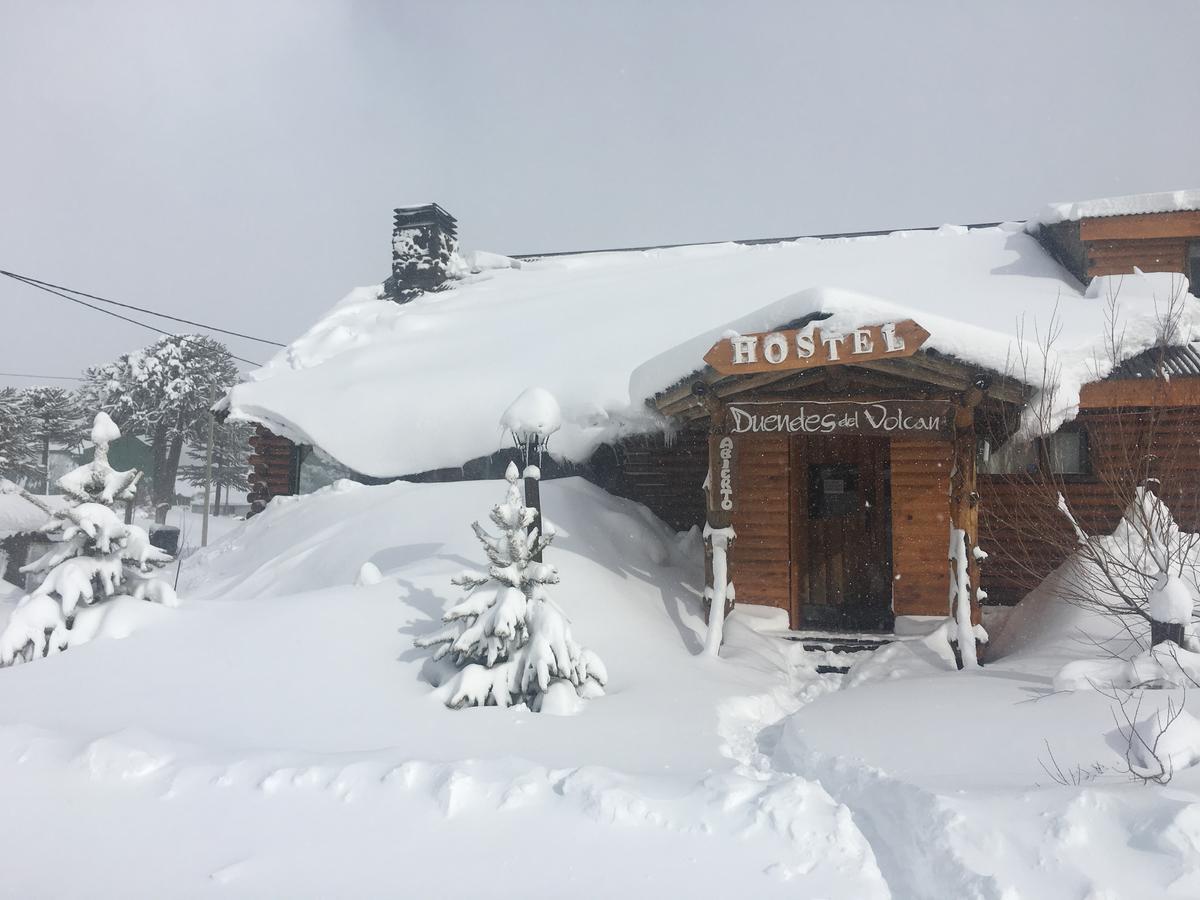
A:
751, 242
1176, 362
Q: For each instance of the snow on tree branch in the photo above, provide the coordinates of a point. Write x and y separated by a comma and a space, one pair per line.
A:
506, 642
94, 557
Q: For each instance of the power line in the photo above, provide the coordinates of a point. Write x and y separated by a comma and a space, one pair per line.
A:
43, 377
37, 282
109, 312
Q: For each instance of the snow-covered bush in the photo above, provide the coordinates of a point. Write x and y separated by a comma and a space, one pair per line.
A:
94, 557
506, 642
1146, 570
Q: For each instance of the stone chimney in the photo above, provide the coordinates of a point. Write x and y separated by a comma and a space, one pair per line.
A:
423, 239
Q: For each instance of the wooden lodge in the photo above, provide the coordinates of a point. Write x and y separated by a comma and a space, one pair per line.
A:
843, 460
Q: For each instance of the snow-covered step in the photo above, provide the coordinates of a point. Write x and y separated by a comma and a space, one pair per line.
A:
835, 652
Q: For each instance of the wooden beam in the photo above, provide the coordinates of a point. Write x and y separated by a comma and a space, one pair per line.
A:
1144, 225
1148, 392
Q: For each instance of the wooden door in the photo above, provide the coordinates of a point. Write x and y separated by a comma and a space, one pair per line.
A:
841, 532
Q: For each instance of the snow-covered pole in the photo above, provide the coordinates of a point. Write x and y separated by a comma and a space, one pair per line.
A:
208, 455
531, 419
964, 553
532, 474
718, 525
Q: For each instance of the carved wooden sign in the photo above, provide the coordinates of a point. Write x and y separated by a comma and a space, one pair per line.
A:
810, 347
721, 464
879, 418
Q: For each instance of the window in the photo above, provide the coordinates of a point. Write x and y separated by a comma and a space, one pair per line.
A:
1015, 457
1193, 267
1065, 452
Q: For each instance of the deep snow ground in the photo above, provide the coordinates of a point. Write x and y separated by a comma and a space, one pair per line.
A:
273, 737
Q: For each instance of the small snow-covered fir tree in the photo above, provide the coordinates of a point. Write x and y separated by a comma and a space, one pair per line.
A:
95, 557
507, 641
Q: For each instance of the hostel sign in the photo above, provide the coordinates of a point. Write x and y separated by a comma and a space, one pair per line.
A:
878, 418
811, 347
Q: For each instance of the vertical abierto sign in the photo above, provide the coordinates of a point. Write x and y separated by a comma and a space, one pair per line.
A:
721, 498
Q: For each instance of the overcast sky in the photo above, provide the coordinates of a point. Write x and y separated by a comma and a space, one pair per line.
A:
237, 162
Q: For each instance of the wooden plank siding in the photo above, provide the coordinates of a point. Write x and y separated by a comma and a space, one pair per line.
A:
1119, 257
666, 475
920, 526
1025, 534
1143, 226
761, 560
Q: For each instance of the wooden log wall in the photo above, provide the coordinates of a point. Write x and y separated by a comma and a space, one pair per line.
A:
1025, 534
1118, 257
1114, 245
274, 464
760, 564
667, 475
920, 526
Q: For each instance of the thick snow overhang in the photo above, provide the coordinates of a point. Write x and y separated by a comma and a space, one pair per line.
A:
926, 369
1130, 205
391, 390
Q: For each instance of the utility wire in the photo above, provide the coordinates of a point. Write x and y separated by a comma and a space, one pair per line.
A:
37, 282
109, 312
42, 377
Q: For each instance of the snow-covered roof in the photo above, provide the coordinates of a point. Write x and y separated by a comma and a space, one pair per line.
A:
18, 513
391, 389
1133, 204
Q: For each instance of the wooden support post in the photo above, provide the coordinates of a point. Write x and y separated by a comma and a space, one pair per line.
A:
718, 495
964, 502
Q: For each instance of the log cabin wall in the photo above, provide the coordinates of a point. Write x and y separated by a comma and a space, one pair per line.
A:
920, 526
665, 474
1114, 245
275, 468
1026, 536
761, 558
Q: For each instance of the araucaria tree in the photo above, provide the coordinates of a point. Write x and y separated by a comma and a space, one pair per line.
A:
95, 557
55, 418
16, 437
506, 642
163, 393
230, 462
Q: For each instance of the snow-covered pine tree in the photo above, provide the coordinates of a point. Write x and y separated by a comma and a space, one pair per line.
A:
16, 440
95, 557
55, 418
230, 462
162, 393
507, 641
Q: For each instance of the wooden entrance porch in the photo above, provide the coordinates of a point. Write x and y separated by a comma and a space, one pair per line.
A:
842, 483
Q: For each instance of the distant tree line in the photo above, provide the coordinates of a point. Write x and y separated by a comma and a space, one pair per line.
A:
161, 394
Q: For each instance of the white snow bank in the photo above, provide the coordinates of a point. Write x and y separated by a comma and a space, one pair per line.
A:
282, 709
1131, 204
373, 381
1165, 742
